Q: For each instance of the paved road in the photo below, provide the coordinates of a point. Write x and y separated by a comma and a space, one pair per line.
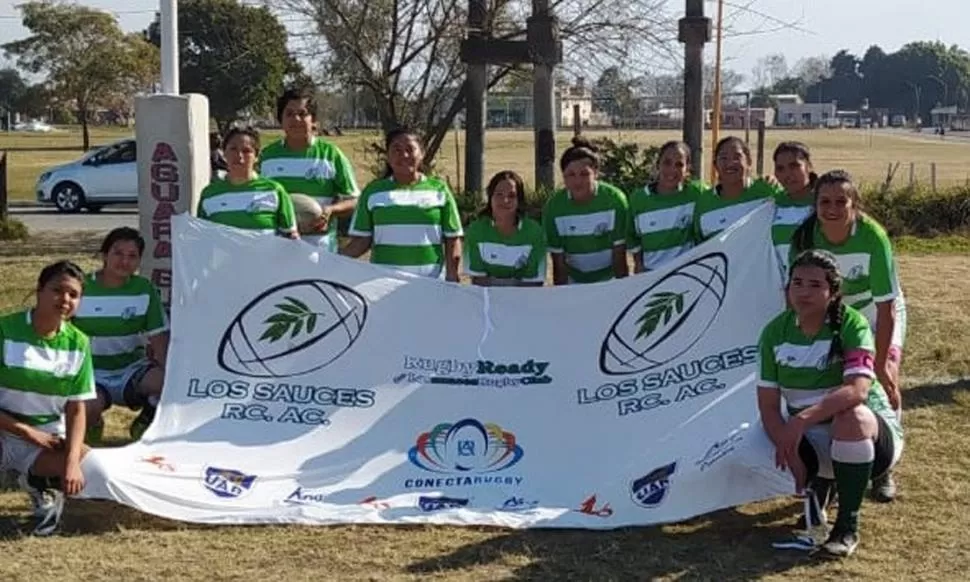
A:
40, 219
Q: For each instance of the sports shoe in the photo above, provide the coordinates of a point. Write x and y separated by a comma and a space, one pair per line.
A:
48, 507
36, 495
841, 544
142, 422
884, 488
823, 491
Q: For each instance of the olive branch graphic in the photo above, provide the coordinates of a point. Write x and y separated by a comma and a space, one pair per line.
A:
292, 316
661, 306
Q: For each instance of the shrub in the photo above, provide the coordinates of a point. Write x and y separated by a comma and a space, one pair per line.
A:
919, 211
13, 229
626, 165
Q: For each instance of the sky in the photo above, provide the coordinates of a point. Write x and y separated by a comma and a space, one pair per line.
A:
795, 28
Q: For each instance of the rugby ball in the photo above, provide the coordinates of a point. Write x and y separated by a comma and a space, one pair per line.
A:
667, 319
293, 329
307, 211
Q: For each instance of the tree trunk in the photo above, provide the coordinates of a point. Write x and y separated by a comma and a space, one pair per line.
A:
85, 133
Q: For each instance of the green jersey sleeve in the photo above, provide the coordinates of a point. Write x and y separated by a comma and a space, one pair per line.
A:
882, 272
155, 319
83, 385
285, 215
362, 223
767, 364
553, 239
344, 180
535, 268
633, 240
621, 227
200, 209
856, 334
472, 256
450, 219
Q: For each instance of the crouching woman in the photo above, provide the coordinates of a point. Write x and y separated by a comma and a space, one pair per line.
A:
46, 375
818, 358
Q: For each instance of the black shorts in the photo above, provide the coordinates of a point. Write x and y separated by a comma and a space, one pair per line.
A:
884, 445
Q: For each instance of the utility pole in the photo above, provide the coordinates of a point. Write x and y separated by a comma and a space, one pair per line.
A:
475, 90
169, 20
542, 31
695, 32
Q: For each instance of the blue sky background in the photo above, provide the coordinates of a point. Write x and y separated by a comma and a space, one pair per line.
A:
819, 27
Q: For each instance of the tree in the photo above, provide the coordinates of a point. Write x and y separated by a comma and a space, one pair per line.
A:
613, 93
769, 70
12, 89
234, 53
407, 52
87, 58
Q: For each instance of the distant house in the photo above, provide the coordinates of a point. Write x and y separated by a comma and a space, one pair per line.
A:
793, 112
735, 117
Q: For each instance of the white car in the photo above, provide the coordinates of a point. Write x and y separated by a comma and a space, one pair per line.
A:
106, 175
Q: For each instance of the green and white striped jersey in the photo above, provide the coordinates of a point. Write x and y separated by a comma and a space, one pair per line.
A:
320, 170
661, 225
866, 263
407, 223
117, 320
521, 256
260, 204
712, 213
39, 376
789, 214
799, 366
586, 233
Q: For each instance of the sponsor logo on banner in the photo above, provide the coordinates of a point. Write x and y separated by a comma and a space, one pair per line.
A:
719, 450
301, 496
293, 329
480, 373
653, 332
438, 503
227, 483
651, 489
161, 463
474, 453
589, 507
517, 504
373, 501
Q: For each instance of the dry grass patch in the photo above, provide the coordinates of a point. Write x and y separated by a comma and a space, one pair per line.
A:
865, 154
919, 537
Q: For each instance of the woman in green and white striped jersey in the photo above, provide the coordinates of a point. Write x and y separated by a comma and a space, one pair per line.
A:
408, 220
793, 169
46, 375
504, 247
586, 222
736, 193
245, 199
304, 163
865, 257
661, 212
122, 314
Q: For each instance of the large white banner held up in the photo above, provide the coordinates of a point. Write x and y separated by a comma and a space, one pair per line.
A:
304, 387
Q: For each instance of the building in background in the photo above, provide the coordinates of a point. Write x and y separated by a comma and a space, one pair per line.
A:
793, 112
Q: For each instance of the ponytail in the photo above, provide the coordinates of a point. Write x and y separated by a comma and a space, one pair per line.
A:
835, 314
803, 238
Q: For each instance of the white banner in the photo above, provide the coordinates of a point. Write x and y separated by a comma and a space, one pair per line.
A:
304, 387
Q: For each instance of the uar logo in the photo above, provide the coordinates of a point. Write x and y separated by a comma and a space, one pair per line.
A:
128, 313
651, 489
228, 483
465, 446
665, 321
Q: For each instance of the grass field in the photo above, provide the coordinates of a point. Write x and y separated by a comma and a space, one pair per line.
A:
865, 154
917, 538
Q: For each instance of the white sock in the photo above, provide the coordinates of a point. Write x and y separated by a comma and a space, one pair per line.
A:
855, 452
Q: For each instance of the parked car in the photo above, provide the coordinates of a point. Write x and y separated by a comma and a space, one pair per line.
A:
106, 175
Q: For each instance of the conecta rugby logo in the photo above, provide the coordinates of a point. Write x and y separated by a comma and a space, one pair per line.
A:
667, 319
467, 446
293, 329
